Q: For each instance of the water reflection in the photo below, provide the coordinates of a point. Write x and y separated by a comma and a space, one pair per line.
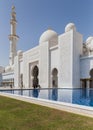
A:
75, 96
91, 98
35, 92
55, 94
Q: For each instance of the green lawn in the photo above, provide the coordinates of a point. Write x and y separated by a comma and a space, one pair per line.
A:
18, 115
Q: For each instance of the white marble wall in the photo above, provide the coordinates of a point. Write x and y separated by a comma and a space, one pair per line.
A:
70, 48
65, 58
54, 62
44, 65
28, 58
21, 67
77, 51
86, 64
16, 72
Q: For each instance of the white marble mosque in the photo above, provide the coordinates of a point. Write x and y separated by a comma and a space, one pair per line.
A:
62, 61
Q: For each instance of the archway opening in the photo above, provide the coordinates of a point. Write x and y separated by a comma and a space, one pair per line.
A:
55, 78
35, 81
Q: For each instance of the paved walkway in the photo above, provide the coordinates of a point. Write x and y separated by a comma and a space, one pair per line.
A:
77, 109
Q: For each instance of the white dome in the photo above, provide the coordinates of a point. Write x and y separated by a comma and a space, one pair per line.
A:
8, 68
89, 39
47, 35
70, 26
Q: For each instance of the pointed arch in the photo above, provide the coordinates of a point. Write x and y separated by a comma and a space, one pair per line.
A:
54, 77
35, 81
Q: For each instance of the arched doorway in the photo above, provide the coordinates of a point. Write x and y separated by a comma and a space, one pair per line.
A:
54, 77
54, 84
35, 80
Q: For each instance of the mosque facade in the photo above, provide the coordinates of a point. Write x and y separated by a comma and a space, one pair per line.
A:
62, 61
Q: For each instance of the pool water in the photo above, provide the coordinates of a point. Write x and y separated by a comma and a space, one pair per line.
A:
74, 96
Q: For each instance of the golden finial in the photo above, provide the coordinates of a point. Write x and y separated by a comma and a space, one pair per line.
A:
13, 8
13, 14
49, 28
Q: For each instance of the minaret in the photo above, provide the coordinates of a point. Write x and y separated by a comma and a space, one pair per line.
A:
13, 37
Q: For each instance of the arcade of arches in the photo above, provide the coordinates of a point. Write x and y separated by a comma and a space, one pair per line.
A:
35, 79
87, 83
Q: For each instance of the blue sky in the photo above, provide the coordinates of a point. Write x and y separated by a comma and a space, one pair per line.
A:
36, 16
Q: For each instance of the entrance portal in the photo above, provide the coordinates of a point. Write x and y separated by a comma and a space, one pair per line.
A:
54, 78
35, 80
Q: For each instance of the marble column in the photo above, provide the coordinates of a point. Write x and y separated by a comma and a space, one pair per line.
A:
87, 88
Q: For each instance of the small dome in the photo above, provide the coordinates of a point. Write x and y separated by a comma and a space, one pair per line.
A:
47, 35
8, 68
20, 52
70, 26
89, 43
89, 39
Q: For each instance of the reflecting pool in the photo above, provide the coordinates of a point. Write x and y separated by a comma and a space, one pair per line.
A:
75, 96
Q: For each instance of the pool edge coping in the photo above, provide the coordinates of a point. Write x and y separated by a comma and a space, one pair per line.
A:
72, 108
